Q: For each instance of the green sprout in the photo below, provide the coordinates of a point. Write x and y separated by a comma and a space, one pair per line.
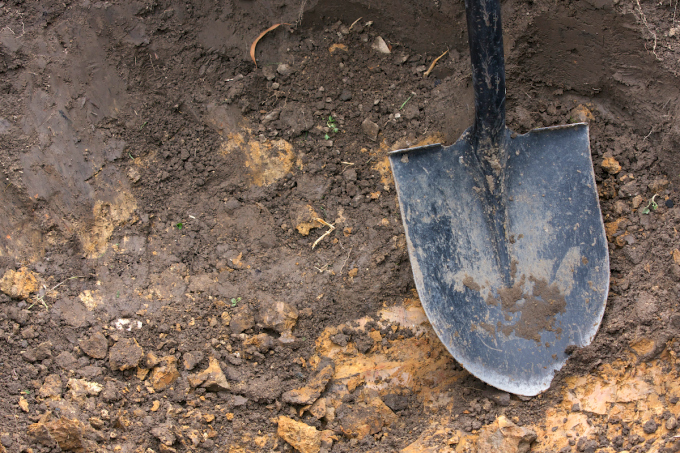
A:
180, 225
405, 102
235, 301
330, 122
651, 206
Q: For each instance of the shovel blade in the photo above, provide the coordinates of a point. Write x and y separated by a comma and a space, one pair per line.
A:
507, 301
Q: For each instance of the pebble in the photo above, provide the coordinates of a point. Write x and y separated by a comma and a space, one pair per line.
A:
380, 46
285, 69
671, 423
346, 95
370, 129
125, 355
269, 72
650, 427
96, 346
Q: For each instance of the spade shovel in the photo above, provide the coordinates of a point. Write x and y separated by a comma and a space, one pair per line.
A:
504, 233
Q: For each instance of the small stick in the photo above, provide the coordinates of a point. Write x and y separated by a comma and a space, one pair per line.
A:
355, 22
429, 70
343, 264
330, 229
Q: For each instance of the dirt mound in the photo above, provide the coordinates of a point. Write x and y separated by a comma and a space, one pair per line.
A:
200, 253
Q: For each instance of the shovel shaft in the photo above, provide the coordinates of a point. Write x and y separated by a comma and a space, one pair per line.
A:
485, 36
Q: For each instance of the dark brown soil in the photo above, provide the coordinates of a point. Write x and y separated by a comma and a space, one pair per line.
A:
126, 183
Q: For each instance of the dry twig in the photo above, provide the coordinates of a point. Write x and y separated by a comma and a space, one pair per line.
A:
434, 62
329, 231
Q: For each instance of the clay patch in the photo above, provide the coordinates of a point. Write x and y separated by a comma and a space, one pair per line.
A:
267, 161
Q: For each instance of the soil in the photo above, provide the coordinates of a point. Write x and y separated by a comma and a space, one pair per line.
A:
197, 238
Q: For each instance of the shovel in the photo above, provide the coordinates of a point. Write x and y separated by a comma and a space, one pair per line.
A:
504, 233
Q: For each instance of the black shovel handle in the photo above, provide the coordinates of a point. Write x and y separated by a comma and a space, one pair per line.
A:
485, 36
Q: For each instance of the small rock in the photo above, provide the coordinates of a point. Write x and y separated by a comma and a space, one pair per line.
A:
503, 436
90, 371
370, 129
23, 404
97, 346
125, 355
671, 423
304, 217
271, 116
68, 434
658, 185
110, 393
279, 316
310, 392
610, 165
637, 201
581, 114
269, 72
381, 46
363, 343
400, 58
191, 359
80, 388
302, 437
164, 433
151, 360
96, 422
212, 378
395, 402
66, 360
41, 352
350, 175
650, 427
346, 95
262, 341
318, 409
285, 69
340, 339
134, 175
6, 440
242, 320
28, 333
239, 401
621, 207
367, 416
165, 374
19, 284
40, 435
576, 407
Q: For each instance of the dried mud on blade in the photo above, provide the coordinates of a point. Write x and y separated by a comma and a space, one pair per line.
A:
505, 233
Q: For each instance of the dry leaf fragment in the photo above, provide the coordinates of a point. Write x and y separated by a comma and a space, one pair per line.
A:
254, 44
429, 70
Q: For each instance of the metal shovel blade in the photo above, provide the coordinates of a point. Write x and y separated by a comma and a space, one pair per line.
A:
511, 276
